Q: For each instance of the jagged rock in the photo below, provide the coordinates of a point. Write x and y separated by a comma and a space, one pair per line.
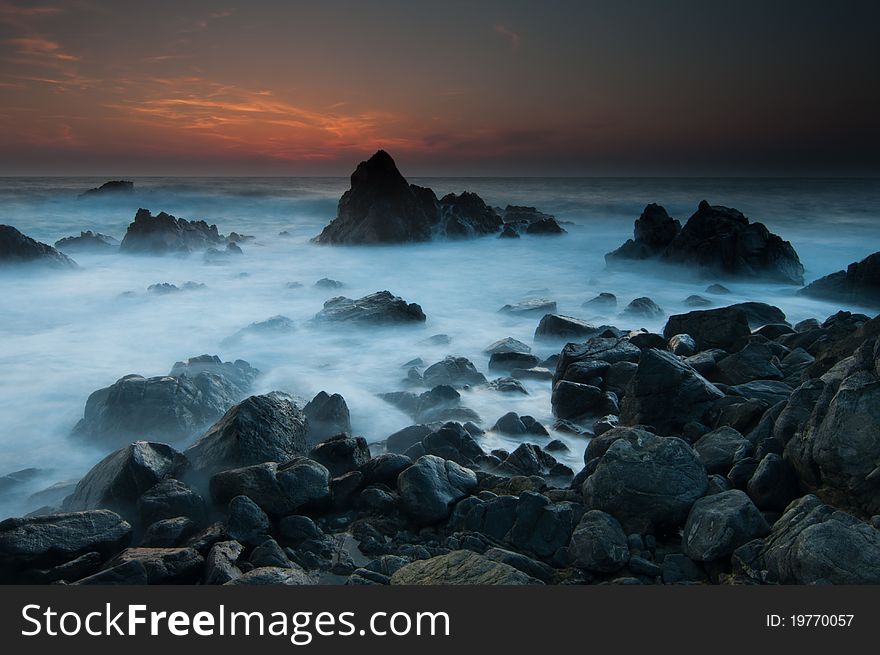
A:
442, 403
507, 385
509, 232
119, 479
165, 234
511, 423
646, 482
220, 565
169, 499
341, 454
273, 575
603, 302
508, 361
267, 428
113, 187
556, 326
718, 449
378, 308
465, 216
666, 393
598, 543
279, 489
773, 485
87, 241
246, 523
163, 565
17, 248
607, 349
530, 460
507, 345
168, 533
454, 372
460, 567
858, 284
711, 328
695, 300
545, 226
431, 486
654, 231
384, 469
571, 400
166, 408
719, 524
750, 363
451, 441
527, 307
327, 416
272, 326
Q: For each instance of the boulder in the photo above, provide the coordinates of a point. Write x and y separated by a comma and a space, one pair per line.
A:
273, 575
455, 372
273, 326
719, 524
163, 565
571, 400
169, 499
111, 188
431, 486
341, 454
607, 349
53, 539
529, 307
381, 307
220, 564
508, 385
598, 543
451, 441
543, 527
327, 416
17, 248
246, 523
118, 480
465, 216
508, 361
710, 328
718, 449
164, 234
169, 533
858, 284
666, 393
267, 428
545, 226
760, 314
604, 302
384, 469
507, 345
682, 345
88, 241
643, 308
460, 567
556, 326
646, 482
773, 485
654, 231
279, 489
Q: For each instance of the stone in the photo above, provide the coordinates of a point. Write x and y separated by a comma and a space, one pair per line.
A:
431, 486
507, 345
168, 533
719, 524
267, 428
455, 372
557, 326
327, 416
164, 234
382, 307
543, 527
168, 499
604, 302
18, 248
508, 361
571, 400
384, 469
773, 485
710, 328
130, 572
540, 306
859, 283
750, 363
279, 489
341, 454
273, 575
643, 308
111, 188
87, 241
460, 567
598, 543
654, 231
718, 449
274, 326
682, 345
451, 441
246, 523
163, 565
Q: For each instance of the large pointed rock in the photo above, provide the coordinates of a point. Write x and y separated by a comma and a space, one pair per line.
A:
18, 248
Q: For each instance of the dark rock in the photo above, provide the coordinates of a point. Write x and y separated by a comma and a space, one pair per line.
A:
269, 553
455, 372
273, 575
384, 469
279, 490
466, 216
643, 339
431, 486
165, 234
327, 283
556, 326
534, 373
718, 289
401, 440
272, 326
666, 393
697, 301
598, 543
169, 533
618, 377
509, 232
543, 527
710, 328
643, 308
773, 485
589, 371
654, 231
646, 482
507, 362
268, 428
718, 449
451, 441
603, 302
119, 479
507, 385
682, 345
571, 400
507, 345
540, 306
113, 187
527, 565
717, 525
609, 350
327, 416
766, 391
168, 499
17, 248
341, 454
246, 523
859, 283
87, 241
460, 567
130, 572
53, 539
557, 446
641, 566
677, 568
381, 307
75, 569
529, 459
774, 330
545, 226
296, 529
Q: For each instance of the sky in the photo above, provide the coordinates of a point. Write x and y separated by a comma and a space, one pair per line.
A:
548, 88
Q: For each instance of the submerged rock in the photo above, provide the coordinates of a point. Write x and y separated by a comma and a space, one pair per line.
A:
379, 307
531, 306
165, 234
17, 248
113, 187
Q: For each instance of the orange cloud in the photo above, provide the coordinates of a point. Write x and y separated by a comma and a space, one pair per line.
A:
38, 47
509, 34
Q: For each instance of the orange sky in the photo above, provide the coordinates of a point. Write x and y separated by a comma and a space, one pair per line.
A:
92, 87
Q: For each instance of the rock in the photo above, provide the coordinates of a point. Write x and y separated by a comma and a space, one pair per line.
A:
643, 339
509, 232
677, 568
607, 349
87, 241
341, 454
507, 385
384, 469
773, 331
527, 565
53, 539
767, 391
279, 490
327, 283
546, 226
246, 523
646, 482
682, 345
431, 486
455, 372
666, 393
167, 408
654, 231
695, 300
604, 302
509, 361
163, 565
773, 485
327, 416
532, 306
466, 216
168, 499
543, 527
718, 289
164, 234
529, 460
507, 345
381, 307
17, 248
534, 373
460, 567
618, 377
401, 440
269, 553
643, 308
556, 326
113, 187
859, 283
119, 479
511, 423
598, 543
273, 326
571, 400
813, 543
451, 441
164, 288
273, 575
168, 533
440, 404
220, 564
268, 428
710, 328
718, 449
717, 525
131, 572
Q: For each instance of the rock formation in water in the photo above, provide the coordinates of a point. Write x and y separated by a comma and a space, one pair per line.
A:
18, 248
87, 241
715, 240
165, 234
858, 284
113, 187
379, 307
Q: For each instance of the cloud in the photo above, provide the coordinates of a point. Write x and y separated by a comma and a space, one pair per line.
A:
509, 34
38, 47
12, 12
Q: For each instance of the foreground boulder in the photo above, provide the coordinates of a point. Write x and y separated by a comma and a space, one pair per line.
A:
646, 482
598, 543
556, 326
44, 541
431, 486
163, 565
710, 328
814, 544
268, 428
858, 284
719, 524
666, 393
379, 307
119, 479
17, 248
716, 240
460, 567
278, 489
168, 408
164, 234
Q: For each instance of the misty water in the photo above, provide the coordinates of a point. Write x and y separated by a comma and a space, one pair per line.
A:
65, 334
